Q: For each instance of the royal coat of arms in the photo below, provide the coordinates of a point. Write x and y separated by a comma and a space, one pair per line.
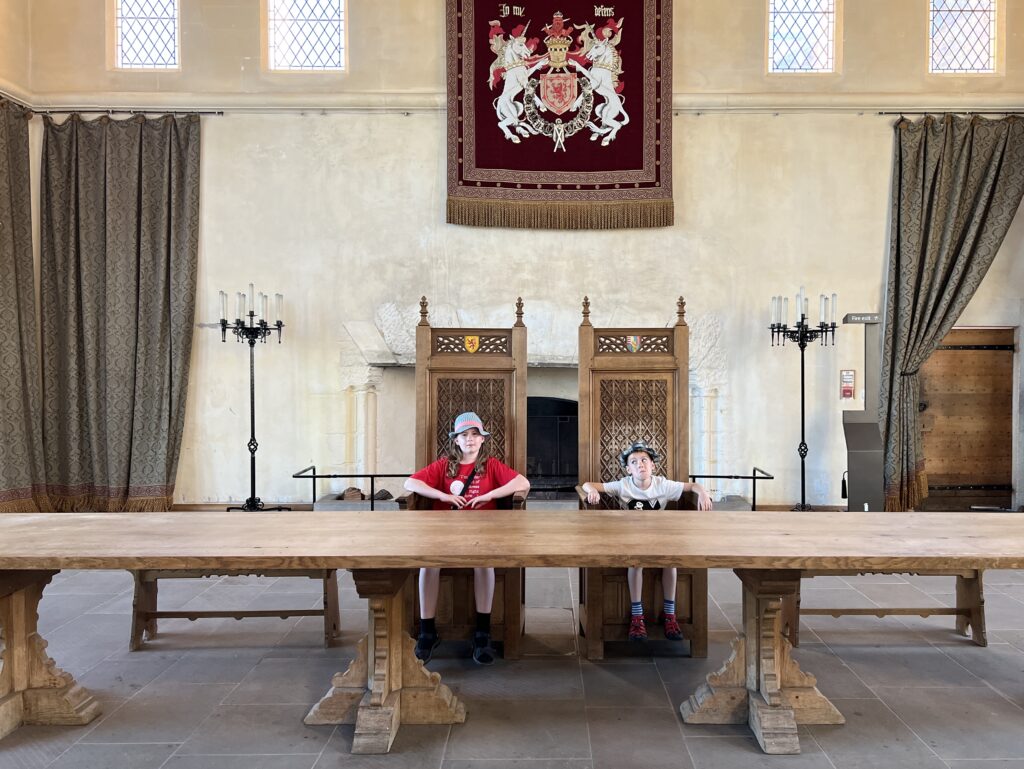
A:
573, 85
471, 342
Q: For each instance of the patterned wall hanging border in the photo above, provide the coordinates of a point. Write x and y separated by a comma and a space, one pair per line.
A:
560, 114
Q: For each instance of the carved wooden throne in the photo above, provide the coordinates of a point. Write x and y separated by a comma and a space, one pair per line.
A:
633, 385
481, 370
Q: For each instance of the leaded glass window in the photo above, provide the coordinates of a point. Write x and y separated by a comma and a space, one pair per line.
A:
801, 35
963, 36
306, 34
146, 34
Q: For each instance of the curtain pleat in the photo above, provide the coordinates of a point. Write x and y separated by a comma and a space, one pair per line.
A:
21, 456
119, 250
956, 186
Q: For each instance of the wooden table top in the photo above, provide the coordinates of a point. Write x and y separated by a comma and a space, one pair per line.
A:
536, 537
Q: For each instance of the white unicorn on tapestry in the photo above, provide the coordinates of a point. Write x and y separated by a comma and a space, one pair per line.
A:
604, 77
513, 64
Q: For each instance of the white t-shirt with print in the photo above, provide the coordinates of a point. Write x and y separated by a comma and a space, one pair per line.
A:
660, 492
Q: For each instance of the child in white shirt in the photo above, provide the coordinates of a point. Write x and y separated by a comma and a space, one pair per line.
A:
641, 489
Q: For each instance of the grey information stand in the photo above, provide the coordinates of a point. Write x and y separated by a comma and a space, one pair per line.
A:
863, 437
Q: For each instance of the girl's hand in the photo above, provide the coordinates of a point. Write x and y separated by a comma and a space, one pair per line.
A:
593, 497
476, 501
456, 500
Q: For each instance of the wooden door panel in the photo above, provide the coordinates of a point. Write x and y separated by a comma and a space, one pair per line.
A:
967, 421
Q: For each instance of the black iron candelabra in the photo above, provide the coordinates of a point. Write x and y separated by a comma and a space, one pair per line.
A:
803, 334
247, 328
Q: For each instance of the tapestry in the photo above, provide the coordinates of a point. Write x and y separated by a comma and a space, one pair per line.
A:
560, 114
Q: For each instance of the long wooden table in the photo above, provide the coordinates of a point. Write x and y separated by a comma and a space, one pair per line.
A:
385, 685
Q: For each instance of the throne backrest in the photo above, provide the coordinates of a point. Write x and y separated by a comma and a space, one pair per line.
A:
633, 385
471, 369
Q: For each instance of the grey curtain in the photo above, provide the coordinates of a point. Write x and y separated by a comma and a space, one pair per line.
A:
21, 458
119, 245
956, 185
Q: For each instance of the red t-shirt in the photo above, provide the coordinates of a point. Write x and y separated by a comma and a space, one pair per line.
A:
496, 474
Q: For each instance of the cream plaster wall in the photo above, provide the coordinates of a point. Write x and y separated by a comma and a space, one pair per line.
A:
343, 212
396, 48
15, 37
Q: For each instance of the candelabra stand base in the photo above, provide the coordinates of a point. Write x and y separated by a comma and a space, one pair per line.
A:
803, 507
253, 504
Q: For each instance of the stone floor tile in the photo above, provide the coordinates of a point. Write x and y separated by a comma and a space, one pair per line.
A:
640, 737
745, 753
899, 595
960, 722
169, 712
517, 729
902, 665
36, 747
548, 594
999, 665
58, 609
872, 737
300, 761
257, 729
120, 679
536, 678
114, 757
106, 582
623, 686
415, 747
286, 680
521, 763
208, 667
835, 678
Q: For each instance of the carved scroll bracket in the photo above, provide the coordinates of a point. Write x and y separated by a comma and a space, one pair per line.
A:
761, 684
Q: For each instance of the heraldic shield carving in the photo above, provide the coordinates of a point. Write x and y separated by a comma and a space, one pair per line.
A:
559, 115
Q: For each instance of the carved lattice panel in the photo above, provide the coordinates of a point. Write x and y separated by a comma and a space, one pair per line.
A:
473, 343
485, 396
632, 410
626, 343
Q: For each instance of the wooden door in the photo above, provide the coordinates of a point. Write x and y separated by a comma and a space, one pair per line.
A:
966, 422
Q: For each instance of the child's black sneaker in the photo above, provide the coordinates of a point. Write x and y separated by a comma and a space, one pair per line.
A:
483, 654
425, 645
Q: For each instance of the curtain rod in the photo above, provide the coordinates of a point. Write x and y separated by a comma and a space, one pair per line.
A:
954, 111
106, 111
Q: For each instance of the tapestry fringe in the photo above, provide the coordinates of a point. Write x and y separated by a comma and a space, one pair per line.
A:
20, 506
628, 214
907, 498
88, 503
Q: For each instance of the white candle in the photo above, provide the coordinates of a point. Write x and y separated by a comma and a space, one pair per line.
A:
771, 312
796, 308
824, 315
223, 305
807, 307
263, 306
785, 311
279, 301
821, 308
239, 305
252, 298
835, 304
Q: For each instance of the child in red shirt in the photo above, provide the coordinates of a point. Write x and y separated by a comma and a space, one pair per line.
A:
467, 477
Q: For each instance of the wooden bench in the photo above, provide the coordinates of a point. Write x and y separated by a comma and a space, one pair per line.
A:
385, 686
969, 610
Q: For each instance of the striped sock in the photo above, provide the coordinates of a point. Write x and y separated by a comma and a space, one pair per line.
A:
637, 609
670, 607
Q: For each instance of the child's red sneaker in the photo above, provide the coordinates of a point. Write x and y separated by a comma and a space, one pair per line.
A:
637, 629
672, 629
